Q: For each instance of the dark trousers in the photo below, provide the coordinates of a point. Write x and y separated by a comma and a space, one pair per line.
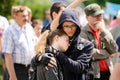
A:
5, 75
104, 75
21, 71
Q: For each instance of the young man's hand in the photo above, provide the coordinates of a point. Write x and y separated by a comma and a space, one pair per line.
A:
47, 59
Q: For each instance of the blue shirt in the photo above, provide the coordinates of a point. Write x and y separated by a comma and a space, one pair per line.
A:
118, 43
19, 43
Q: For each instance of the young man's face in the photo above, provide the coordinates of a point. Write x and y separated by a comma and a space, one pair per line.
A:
69, 28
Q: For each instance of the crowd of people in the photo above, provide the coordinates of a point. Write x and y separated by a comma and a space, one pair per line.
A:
59, 48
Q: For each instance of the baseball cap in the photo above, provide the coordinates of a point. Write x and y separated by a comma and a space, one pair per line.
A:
93, 10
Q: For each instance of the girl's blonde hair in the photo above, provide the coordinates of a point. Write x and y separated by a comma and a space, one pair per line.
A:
42, 42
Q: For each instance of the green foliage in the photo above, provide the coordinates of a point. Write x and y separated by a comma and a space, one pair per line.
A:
37, 6
38, 9
1, 70
100, 2
5, 7
115, 1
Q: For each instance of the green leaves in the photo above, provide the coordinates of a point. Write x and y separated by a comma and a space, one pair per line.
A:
37, 6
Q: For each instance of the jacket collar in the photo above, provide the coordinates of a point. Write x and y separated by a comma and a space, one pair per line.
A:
88, 29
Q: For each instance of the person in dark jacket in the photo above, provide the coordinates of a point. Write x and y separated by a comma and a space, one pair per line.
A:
75, 61
56, 40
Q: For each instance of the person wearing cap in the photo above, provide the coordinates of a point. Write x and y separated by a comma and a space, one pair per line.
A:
104, 44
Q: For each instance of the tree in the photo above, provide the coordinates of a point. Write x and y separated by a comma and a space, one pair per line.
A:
100, 2
115, 1
37, 6
5, 7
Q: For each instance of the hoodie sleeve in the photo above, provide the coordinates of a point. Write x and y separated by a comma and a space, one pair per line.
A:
82, 61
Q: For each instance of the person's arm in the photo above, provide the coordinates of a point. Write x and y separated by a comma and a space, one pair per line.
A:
115, 75
100, 54
107, 38
7, 50
110, 43
10, 66
75, 3
82, 61
55, 22
97, 53
43, 59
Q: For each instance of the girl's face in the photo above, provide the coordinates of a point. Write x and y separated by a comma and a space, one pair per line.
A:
38, 29
63, 43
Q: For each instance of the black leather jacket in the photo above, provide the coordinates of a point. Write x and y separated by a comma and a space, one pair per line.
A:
53, 73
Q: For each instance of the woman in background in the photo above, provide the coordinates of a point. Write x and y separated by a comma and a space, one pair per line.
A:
37, 26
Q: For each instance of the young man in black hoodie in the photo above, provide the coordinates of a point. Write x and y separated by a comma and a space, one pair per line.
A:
55, 12
75, 61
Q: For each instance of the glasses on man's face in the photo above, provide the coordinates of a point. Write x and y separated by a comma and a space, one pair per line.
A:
69, 26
